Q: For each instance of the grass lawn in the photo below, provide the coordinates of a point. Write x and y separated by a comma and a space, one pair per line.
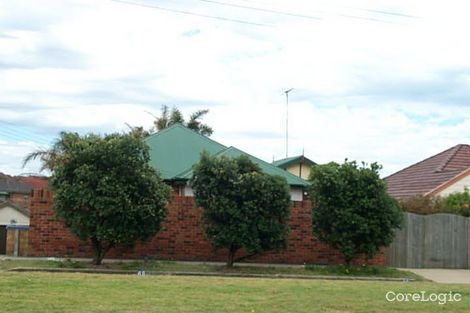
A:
69, 292
169, 266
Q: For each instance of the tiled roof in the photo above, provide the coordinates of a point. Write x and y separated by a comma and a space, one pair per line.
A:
35, 182
425, 176
12, 184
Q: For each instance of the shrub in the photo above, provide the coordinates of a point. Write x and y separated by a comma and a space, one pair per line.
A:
243, 207
352, 211
458, 203
455, 203
423, 205
106, 191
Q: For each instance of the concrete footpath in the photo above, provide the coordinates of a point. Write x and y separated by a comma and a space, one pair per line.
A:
444, 276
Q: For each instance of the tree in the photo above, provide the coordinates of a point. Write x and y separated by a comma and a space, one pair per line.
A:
195, 124
243, 207
138, 131
106, 191
48, 157
168, 118
352, 211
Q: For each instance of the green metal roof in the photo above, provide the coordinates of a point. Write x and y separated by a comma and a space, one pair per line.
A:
265, 167
176, 148
284, 163
174, 151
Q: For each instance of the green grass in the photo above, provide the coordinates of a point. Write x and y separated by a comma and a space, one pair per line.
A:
369, 271
8, 264
169, 266
68, 292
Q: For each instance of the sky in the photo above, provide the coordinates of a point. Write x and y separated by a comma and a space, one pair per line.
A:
374, 81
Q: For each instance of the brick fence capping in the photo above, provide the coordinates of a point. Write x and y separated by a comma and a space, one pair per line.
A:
182, 237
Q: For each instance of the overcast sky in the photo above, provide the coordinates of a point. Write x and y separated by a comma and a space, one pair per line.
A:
385, 81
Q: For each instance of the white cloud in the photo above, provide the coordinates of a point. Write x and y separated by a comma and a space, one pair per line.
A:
369, 85
12, 155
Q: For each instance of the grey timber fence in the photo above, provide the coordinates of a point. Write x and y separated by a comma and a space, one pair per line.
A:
430, 241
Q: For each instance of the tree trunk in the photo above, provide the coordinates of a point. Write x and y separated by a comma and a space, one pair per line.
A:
99, 251
245, 257
348, 260
231, 255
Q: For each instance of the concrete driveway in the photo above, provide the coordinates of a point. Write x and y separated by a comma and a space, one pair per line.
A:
444, 276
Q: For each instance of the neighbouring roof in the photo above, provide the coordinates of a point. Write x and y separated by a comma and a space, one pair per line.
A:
174, 151
426, 176
35, 182
284, 163
20, 209
13, 184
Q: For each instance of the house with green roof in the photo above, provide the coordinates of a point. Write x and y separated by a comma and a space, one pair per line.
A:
298, 165
174, 151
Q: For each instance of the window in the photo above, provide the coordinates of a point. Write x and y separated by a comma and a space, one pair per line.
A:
3, 196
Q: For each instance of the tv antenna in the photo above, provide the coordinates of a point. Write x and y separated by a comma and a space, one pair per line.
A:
287, 120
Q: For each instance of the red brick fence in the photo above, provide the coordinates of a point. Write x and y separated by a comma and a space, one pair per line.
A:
181, 238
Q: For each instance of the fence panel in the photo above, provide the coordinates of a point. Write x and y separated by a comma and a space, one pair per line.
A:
430, 241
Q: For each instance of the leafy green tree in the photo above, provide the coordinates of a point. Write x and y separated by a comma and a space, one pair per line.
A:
170, 117
352, 211
243, 207
106, 191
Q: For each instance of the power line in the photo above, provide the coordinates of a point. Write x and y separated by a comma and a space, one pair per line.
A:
386, 12
261, 9
314, 17
10, 136
367, 19
16, 130
19, 134
8, 123
13, 140
191, 13
22, 136
7, 131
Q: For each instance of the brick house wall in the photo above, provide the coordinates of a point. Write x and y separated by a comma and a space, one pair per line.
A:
182, 237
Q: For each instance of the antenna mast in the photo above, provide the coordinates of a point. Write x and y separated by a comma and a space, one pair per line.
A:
287, 120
